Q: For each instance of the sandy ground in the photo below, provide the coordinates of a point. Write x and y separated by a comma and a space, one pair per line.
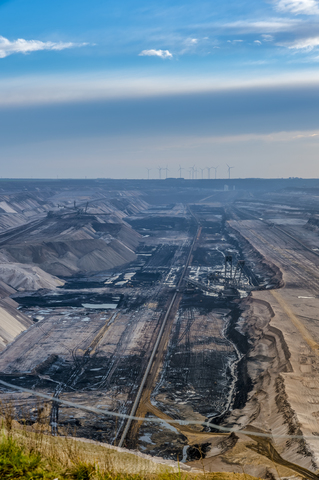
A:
294, 311
10, 327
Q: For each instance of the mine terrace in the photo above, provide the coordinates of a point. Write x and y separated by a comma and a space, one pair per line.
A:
173, 299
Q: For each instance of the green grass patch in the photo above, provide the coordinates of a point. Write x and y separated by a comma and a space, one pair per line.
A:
16, 464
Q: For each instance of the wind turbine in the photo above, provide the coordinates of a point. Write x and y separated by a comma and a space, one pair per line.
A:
148, 172
229, 168
215, 168
195, 171
166, 170
159, 172
180, 171
202, 170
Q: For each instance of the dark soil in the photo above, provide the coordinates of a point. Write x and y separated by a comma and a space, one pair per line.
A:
66, 299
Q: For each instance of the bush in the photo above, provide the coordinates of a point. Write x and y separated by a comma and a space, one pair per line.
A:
15, 464
82, 471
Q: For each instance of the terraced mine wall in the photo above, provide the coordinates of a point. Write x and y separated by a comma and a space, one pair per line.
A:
89, 335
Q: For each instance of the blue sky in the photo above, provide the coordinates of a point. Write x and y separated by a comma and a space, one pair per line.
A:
104, 89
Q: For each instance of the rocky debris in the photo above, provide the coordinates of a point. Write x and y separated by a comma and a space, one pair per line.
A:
25, 277
66, 244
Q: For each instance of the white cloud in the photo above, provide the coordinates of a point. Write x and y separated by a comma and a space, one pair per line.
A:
156, 53
267, 38
302, 44
307, 7
234, 41
21, 45
258, 42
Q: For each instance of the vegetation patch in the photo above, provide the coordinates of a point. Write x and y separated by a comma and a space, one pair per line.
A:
34, 455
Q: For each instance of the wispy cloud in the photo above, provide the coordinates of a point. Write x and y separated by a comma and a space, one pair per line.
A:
267, 26
267, 38
302, 44
234, 41
59, 89
191, 41
274, 137
305, 135
190, 45
156, 53
307, 7
21, 45
256, 62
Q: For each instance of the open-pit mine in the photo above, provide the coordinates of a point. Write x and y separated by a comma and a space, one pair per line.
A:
192, 300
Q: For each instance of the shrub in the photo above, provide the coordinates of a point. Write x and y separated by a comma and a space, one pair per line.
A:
15, 464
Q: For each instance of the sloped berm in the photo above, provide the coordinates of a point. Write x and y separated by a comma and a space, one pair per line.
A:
65, 245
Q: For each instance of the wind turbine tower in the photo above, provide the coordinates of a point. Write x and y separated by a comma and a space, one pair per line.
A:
180, 171
202, 170
148, 172
229, 168
215, 168
159, 172
166, 170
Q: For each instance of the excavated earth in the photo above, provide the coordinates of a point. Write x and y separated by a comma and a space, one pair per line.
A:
88, 271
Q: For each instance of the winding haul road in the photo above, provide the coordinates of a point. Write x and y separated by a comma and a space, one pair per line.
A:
159, 346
